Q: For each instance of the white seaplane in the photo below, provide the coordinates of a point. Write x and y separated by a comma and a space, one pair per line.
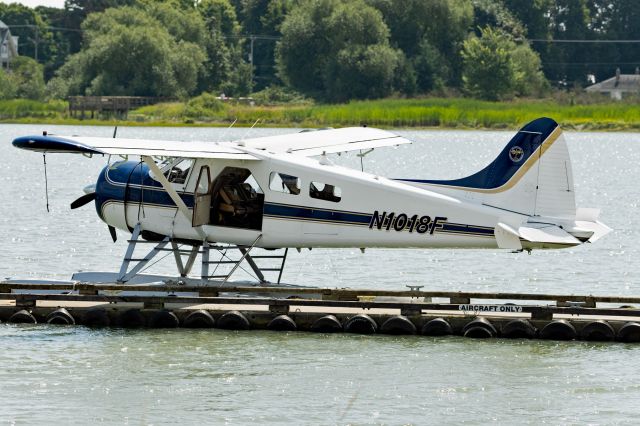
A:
282, 192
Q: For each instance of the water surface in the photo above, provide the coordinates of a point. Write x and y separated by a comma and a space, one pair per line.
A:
78, 375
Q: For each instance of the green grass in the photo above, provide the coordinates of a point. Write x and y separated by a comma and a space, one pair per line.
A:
583, 114
26, 108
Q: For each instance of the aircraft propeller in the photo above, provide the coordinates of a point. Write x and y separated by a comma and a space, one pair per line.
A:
85, 199
89, 196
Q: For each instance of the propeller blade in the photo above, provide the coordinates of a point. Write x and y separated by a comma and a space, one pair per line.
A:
85, 199
112, 231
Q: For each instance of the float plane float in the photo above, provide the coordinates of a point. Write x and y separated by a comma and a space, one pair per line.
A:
282, 192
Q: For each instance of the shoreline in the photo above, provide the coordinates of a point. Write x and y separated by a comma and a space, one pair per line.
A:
410, 114
592, 127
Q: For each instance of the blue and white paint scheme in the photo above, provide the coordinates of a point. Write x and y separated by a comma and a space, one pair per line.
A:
282, 191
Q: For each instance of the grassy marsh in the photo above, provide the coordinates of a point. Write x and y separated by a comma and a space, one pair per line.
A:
386, 113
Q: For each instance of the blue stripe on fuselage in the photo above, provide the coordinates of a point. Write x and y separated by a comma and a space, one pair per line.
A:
129, 182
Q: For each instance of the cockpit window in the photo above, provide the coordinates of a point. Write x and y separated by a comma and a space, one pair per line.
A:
177, 170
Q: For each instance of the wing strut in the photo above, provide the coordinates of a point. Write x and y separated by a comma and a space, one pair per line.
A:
172, 192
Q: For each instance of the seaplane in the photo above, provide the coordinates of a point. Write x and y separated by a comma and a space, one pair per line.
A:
284, 192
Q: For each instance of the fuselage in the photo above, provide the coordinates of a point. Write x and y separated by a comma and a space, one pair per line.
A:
290, 201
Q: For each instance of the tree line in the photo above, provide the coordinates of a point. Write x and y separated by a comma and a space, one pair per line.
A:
329, 50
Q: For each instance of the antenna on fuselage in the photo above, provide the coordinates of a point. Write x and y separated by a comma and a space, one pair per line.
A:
362, 155
227, 131
241, 143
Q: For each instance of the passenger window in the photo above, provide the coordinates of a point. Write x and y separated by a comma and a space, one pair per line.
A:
281, 182
324, 191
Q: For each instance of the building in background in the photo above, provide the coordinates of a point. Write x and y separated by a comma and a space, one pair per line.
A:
618, 85
8, 46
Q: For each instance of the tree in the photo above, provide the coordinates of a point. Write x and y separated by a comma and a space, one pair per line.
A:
491, 13
495, 67
76, 11
264, 19
326, 46
224, 71
28, 78
23, 80
430, 33
488, 71
7, 85
130, 52
569, 20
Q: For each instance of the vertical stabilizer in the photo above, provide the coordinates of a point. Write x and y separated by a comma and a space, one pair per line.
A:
531, 175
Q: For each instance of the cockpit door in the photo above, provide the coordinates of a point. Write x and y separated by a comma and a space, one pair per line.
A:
202, 198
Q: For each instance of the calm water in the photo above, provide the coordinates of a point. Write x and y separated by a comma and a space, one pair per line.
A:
77, 375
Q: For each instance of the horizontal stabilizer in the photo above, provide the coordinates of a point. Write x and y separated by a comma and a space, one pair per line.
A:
547, 234
597, 228
543, 234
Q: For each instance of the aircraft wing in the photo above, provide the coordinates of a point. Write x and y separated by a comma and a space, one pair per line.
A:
306, 144
121, 146
328, 141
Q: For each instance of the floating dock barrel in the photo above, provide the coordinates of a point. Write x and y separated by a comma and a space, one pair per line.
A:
599, 331
60, 317
282, 323
361, 324
629, 333
233, 320
164, 319
22, 317
479, 328
518, 329
199, 319
327, 324
398, 324
437, 327
558, 330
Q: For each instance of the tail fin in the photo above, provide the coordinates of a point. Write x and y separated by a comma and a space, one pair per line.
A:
532, 175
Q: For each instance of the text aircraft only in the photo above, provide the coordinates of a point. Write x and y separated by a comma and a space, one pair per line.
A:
283, 192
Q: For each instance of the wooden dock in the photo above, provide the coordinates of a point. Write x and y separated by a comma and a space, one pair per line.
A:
112, 106
431, 313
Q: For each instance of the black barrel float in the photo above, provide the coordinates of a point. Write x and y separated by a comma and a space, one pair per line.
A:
558, 330
22, 317
164, 319
96, 317
437, 327
398, 324
327, 324
361, 324
282, 323
599, 331
132, 318
233, 320
629, 333
199, 319
518, 329
60, 317
479, 328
